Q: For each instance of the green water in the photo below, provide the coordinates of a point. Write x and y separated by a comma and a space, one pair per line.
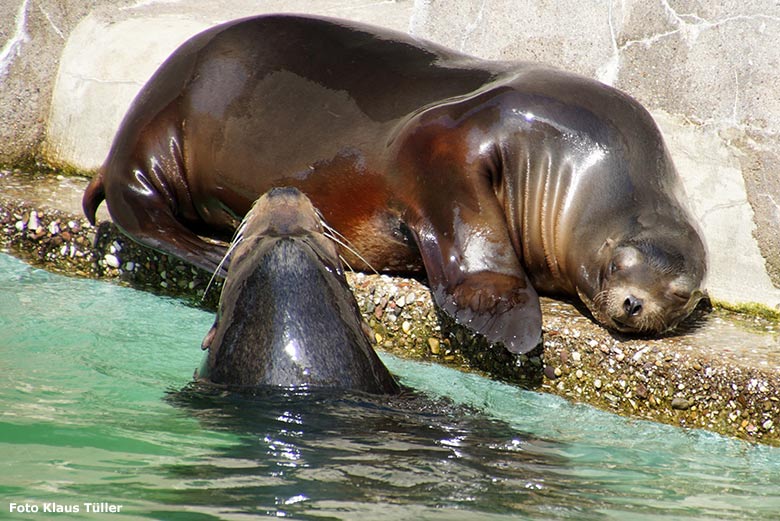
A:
95, 409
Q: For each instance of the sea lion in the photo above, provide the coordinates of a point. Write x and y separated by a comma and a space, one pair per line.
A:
286, 315
497, 178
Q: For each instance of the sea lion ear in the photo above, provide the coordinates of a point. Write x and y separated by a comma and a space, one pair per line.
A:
209, 338
607, 247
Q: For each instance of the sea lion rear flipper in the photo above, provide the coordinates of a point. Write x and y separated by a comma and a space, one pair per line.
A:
139, 209
94, 194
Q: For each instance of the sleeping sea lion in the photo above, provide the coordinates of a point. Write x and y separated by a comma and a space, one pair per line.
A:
497, 179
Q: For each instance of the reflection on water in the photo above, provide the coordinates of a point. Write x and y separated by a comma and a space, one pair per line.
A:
323, 452
97, 406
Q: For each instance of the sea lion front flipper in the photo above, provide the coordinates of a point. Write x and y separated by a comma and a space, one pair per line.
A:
460, 225
473, 270
503, 308
141, 205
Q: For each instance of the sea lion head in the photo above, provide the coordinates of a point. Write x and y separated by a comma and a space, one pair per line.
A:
286, 212
287, 316
646, 286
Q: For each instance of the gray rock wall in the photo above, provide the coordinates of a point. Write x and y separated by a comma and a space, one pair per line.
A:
32, 36
706, 69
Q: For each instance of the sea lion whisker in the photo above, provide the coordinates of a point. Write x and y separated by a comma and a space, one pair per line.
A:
238, 236
661, 324
330, 228
344, 260
652, 322
599, 298
214, 274
342, 241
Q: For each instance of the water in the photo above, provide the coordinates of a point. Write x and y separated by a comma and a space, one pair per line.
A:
96, 408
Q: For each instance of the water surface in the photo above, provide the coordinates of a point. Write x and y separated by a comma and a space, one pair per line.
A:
95, 407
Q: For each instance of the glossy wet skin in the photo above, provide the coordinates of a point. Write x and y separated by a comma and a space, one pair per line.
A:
495, 178
286, 315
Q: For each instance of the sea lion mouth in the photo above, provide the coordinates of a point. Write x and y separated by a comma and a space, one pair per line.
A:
658, 323
598, 307
622, 326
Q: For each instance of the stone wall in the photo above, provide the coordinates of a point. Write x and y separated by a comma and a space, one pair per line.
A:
707, 71
33, 34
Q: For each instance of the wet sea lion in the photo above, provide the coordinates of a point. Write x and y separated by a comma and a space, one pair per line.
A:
497, 178
286, 315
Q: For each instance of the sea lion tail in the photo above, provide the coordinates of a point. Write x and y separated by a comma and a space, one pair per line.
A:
93, 195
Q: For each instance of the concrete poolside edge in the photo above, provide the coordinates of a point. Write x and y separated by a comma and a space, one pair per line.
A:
683, 380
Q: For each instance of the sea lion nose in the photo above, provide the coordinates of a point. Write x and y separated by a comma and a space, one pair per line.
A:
632, 306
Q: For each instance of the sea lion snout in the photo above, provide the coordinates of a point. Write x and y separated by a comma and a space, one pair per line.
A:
630, 309
632, 305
